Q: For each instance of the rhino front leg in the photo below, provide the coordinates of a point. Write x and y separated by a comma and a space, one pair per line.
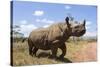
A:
54, 48
63, 48
54, 52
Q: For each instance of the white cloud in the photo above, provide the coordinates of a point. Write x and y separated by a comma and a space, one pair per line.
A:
45, 21
88, 24
38, 13
45, 26
23, 22
26, 29
88, 27
67, 7
91, 34
38, 20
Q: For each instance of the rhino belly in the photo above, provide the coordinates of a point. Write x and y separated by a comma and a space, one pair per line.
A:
41, 44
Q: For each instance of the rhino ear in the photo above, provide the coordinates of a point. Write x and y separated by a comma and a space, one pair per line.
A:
84, 22
67, 20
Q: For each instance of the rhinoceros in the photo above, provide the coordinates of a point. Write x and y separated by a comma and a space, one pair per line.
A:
54, 36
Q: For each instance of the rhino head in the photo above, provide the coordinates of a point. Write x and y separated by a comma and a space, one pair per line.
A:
77, 29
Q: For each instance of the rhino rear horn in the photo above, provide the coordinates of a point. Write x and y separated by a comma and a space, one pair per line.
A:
67, 21
84, 22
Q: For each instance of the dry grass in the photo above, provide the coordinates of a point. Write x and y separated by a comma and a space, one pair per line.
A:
75, 52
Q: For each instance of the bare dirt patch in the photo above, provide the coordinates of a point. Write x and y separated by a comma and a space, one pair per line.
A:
85, 52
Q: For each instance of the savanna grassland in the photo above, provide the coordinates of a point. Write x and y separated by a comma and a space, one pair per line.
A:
81, 51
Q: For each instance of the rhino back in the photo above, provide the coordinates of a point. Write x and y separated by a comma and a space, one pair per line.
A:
38, 34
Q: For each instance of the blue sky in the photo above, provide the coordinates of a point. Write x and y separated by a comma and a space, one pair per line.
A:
33, 15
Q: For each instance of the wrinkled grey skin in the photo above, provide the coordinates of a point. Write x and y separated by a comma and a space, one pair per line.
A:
54, 37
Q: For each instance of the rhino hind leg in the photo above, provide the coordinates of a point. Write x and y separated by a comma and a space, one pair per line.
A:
63, 48
34, 51
30, 51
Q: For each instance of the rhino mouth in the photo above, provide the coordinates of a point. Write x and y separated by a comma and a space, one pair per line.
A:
79, 33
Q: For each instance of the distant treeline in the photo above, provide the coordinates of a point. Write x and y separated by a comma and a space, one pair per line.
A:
21, 39
71, 39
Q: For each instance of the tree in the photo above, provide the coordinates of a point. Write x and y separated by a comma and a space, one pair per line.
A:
16, 32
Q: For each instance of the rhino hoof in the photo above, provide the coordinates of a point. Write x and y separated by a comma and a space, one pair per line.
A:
52, 57
61, 56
